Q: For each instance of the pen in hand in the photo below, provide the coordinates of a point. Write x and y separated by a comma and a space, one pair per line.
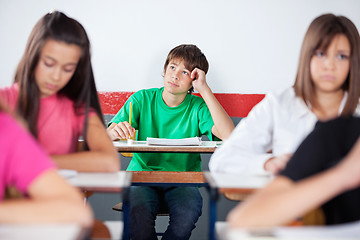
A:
130, 116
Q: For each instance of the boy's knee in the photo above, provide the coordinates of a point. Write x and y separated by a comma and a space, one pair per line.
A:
185, 217
143, 212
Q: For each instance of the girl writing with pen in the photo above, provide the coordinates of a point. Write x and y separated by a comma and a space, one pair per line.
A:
25, 166
54, 91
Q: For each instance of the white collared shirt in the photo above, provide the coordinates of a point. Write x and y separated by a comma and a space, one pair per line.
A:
279, 123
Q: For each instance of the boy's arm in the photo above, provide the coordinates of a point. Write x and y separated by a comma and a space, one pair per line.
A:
223, 125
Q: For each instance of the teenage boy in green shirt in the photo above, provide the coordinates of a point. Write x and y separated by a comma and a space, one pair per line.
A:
171, 112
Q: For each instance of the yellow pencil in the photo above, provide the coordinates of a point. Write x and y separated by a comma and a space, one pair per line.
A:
130, 116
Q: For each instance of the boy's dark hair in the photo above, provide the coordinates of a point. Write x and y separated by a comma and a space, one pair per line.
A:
192, 57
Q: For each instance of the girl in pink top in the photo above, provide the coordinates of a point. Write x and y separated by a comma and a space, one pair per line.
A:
54, 91
25, 166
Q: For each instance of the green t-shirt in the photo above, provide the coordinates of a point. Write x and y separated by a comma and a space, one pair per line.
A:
153, 118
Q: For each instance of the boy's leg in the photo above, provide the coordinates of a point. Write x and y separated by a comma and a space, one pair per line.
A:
144, 205
185, 207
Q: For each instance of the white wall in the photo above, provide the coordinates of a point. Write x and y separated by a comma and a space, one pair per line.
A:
252, 46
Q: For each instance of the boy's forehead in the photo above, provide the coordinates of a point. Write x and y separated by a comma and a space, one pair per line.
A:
178, 62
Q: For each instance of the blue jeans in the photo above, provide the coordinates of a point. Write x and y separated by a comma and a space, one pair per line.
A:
184, 205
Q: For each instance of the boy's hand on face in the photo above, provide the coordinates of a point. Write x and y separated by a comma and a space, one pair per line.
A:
199, 80
122, 130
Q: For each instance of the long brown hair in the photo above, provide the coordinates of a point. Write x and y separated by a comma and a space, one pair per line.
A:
81, 88
319, 35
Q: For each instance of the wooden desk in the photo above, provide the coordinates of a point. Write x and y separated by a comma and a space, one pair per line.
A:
42, 231
162, 178
233, 184
339, 232
142, 147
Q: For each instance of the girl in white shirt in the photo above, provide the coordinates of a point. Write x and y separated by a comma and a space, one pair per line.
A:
327, 85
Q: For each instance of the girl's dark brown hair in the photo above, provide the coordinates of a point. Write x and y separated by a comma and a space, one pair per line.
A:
318, 37
192, 57
81, 87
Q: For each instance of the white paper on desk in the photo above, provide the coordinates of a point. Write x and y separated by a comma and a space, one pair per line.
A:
194, 141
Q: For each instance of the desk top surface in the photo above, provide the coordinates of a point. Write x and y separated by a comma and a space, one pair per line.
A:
142, 146
101, 182
339, 231
237, 183
115, 182
41, 231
